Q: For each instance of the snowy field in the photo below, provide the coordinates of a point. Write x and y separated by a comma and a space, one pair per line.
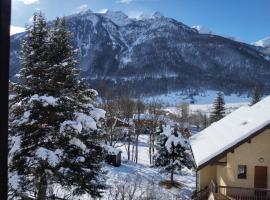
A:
208, 97
129, 171
205, 108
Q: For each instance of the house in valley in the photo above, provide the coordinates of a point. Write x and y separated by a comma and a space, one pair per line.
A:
232, 156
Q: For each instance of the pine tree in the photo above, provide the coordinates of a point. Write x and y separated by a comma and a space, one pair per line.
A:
219, 108
172, 154
255, 96
54, 120
27, 127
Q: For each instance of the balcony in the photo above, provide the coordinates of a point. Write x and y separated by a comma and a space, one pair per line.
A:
215, 192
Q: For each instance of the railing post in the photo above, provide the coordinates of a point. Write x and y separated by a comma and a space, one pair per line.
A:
212, 187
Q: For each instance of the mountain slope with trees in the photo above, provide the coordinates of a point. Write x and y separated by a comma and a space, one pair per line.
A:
156, 55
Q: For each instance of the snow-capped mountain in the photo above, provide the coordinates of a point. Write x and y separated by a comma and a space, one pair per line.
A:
263, 43
118, 17
156, 54
203, 29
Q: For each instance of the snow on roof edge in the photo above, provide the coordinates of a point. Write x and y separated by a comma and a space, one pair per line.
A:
263, 122
231, 145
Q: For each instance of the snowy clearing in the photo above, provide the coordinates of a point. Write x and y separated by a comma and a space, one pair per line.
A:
206, 108
143, 170
208, 97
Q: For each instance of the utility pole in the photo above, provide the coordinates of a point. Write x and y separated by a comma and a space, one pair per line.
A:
5, 13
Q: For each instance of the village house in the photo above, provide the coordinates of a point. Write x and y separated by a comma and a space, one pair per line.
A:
232, 156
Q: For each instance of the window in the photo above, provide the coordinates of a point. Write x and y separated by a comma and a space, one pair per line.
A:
242, 171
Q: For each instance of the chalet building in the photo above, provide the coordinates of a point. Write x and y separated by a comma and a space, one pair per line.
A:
232, 156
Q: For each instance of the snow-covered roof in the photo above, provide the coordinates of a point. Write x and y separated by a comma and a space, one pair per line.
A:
229, 131
112, 150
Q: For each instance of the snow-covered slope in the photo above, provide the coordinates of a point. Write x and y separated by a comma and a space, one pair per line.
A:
118, 17
202, 29
206, 97
16, 29
263, 43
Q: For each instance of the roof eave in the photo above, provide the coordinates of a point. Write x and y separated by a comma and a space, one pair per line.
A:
222, 154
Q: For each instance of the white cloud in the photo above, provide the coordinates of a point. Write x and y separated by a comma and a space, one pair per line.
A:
29, 2
83, 8
16, 29
125, 1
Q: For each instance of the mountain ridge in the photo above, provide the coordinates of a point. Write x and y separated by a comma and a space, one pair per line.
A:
157, 54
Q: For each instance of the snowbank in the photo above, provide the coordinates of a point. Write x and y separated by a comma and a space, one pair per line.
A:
112, 150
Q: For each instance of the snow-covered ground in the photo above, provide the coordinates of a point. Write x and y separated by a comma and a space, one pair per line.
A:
129, 171
205, 108
141, 181
208, 97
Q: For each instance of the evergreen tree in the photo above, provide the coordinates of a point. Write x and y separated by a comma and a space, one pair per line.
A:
56, 128
172, 152
27, 126
255, 95
205, 121
219, 108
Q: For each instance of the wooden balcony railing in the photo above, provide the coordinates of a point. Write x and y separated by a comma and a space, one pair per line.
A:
233, 193
239, 193
202, 194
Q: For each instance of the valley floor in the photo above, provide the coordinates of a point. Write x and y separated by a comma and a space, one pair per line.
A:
200, 100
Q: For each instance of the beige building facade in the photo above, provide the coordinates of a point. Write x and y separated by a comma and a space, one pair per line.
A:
247, 164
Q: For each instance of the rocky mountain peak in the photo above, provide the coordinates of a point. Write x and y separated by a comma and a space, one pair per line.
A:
117, 17
157, 15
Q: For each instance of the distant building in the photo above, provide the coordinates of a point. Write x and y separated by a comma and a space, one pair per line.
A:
232, 156
118, 123
185, 133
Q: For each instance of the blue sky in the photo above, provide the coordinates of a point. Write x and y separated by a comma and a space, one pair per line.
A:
247, 20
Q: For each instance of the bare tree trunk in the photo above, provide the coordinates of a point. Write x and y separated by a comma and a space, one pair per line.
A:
153, 145
128, 145
42, 188
136, 154
111, 137
132, 152
172, 172
150, 148
173, 159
